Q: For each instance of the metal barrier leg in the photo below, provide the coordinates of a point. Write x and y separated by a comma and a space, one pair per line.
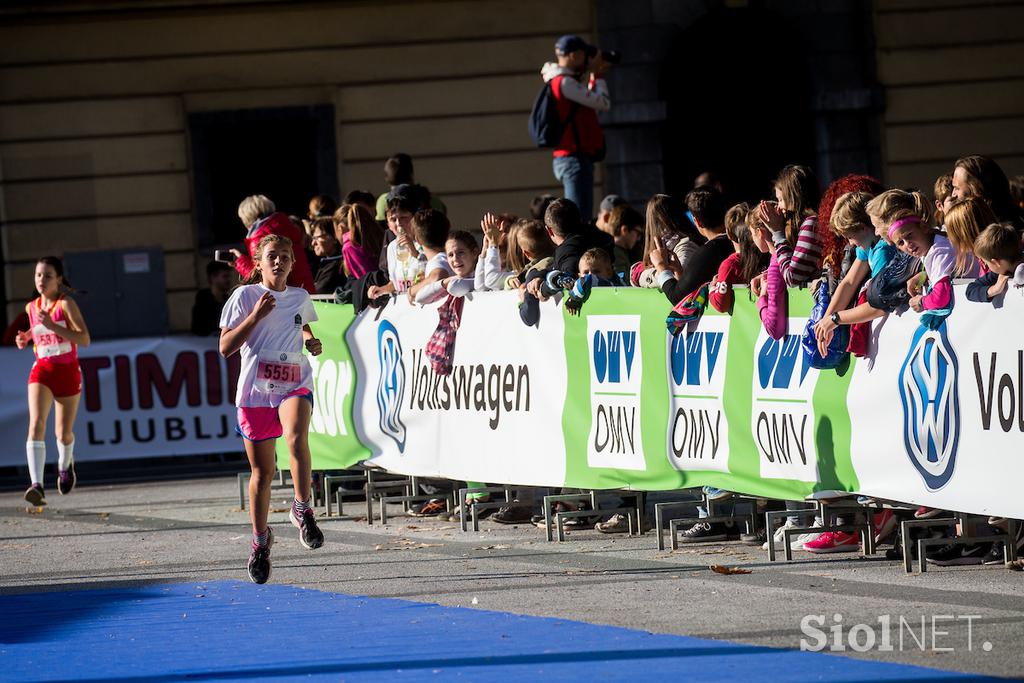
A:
243, 488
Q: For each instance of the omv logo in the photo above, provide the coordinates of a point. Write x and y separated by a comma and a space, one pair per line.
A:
931, 407
391, 385
614, 351
777, 363
691, 353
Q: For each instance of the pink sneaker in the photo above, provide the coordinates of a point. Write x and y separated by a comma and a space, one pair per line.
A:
833, 542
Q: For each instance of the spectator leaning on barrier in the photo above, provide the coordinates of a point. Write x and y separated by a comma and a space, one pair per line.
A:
210, 300
707, 207
260, 217
582, 141
330, 272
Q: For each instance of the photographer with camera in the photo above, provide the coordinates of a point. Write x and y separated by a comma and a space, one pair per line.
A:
580, 91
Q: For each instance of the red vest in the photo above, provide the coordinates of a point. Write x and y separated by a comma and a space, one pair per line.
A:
584, 127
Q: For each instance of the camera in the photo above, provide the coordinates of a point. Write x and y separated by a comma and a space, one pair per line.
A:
223, 256
611, 56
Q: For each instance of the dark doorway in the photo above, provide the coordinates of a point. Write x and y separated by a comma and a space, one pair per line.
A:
738, 100
287, 154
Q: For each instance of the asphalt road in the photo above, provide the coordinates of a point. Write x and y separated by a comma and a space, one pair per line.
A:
182, 531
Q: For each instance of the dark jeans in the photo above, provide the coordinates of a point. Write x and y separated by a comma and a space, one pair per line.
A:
577, 177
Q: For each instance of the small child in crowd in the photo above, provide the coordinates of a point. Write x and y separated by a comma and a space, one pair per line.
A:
431, 229
998, 248
740, 267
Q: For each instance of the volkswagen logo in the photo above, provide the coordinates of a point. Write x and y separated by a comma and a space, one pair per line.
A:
931, 408
391, 385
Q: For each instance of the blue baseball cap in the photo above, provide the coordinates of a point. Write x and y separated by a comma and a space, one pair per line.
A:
570, 43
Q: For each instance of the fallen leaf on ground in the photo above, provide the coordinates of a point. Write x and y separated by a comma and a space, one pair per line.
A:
280, 509
493, 547
719, 569
103, 515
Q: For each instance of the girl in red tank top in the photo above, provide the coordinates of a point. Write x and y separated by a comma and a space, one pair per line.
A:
57, 330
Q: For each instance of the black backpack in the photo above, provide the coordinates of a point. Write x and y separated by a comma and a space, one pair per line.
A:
546, 127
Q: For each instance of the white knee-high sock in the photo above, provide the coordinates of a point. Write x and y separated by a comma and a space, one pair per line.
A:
65, 454
36, 452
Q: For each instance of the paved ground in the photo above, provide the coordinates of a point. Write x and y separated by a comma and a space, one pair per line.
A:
192, 531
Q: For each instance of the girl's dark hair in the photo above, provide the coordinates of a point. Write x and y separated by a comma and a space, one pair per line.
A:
799, 188
362, 228
58, 266
666, 215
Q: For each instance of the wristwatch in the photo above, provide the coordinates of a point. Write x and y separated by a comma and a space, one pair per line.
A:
835, 318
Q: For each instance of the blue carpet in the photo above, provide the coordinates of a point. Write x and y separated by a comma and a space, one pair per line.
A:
230, 631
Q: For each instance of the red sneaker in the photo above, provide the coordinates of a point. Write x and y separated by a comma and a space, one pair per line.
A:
834, 542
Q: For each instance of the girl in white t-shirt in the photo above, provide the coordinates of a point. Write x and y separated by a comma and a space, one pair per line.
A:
267, 323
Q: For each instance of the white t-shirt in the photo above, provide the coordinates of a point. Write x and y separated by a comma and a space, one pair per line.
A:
273, 364
438, 262
940, 261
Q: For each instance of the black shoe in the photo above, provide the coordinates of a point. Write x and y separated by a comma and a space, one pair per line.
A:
702, 532
513, 514
66, 480
759, 537
309, 533
956, 554
35, 495
259, 560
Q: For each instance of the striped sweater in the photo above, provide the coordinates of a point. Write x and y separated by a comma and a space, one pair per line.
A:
800, 263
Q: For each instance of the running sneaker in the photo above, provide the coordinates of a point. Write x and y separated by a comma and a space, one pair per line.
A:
432, 508
779, 535
616, 524
834, 542
35, 495
259, 560
803, 539
759, 537
956, 554
66, 480
309, 533
703, 532
512, 514
716, 494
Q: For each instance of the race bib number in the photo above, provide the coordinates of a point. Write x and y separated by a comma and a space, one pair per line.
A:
49, 344
278, 372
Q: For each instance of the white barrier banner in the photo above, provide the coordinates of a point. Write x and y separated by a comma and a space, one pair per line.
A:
140, 398
491, 420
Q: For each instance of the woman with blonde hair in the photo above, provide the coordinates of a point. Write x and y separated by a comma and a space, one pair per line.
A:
261, 218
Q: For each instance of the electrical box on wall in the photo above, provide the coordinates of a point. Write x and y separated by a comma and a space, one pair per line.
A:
122, 293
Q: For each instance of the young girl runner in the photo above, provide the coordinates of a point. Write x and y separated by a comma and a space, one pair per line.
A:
56, 330
267, 322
